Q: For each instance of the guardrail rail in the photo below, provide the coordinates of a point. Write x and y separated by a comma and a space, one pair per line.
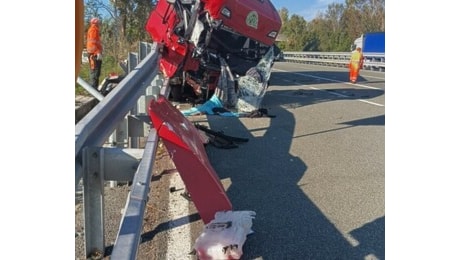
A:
372, 60
97, 162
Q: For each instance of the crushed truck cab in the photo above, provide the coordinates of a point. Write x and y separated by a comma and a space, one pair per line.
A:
195, 34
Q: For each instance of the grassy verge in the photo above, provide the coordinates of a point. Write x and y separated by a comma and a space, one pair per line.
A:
109, 65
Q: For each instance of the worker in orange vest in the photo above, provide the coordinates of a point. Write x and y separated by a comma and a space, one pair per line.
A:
94, 49
356, 63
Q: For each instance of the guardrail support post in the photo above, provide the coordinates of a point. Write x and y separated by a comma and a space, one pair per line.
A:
119, 139
93, 192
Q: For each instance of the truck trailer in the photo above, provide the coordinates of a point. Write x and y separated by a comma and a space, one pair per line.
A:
373, 47
371, 42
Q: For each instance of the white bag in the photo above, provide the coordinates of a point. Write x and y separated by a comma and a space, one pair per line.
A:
224, 236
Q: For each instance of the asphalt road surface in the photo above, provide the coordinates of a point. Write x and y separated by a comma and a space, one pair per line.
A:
315, 173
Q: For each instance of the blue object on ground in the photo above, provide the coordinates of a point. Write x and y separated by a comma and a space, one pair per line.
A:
207, 107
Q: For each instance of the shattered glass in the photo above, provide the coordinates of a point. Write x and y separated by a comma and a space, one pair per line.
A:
252, 87
247, 98
225, 90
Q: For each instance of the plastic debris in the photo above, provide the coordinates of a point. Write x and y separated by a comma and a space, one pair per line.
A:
205, 108
224, 236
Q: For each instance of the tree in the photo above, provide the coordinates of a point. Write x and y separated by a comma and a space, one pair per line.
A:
123, 23
295, 30
284, 15
332, 30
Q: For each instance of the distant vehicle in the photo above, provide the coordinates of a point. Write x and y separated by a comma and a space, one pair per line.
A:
370, 42
373, 46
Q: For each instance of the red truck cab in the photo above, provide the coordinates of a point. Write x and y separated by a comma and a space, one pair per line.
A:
255, 19
194, 34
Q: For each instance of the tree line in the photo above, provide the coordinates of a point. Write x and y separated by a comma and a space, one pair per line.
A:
123, 25
333, 30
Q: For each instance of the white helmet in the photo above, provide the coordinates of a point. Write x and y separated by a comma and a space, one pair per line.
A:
94, 20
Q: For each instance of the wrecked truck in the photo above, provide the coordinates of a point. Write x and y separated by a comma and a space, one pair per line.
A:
198, 38
220, 52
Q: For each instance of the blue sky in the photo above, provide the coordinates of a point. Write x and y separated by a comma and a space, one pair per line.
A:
306, 8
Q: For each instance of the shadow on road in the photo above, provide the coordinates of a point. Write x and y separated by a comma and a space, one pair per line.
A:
264, 178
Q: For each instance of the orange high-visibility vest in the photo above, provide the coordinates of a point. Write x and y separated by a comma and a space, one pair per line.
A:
357, 59
93, 40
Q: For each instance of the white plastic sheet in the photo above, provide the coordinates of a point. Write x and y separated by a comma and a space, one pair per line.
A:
224, 236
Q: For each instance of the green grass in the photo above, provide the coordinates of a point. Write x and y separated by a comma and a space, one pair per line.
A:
109, 65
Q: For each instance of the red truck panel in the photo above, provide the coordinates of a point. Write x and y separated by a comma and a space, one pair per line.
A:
160, 25
252, 18
186, 148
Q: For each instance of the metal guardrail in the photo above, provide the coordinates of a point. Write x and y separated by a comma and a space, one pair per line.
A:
95, 164
372, 60
129, 235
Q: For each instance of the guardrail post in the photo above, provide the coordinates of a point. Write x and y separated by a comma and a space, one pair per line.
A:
138, 129
93, 183
144, 49
133, 61
119, 139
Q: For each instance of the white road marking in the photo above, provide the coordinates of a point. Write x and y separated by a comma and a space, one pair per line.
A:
179, 239
334, 93
333, 80
369, 76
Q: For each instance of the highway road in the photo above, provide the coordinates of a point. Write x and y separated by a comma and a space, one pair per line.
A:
314, 174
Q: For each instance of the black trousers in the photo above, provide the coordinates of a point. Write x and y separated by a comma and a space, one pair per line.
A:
95, 70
